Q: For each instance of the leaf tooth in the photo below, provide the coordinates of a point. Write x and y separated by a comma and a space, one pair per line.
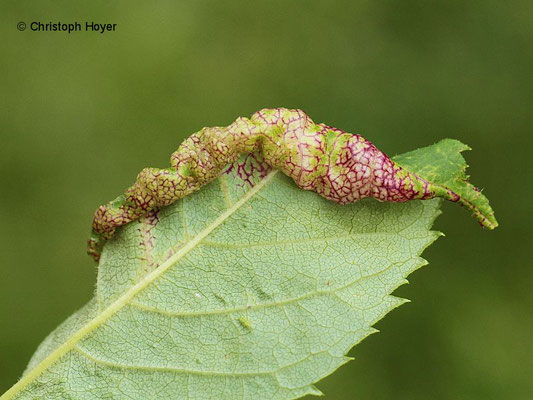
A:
397, 301
314, 391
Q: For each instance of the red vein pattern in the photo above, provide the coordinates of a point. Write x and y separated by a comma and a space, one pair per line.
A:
339, 166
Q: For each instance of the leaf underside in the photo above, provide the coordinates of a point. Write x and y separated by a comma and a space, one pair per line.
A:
250, 288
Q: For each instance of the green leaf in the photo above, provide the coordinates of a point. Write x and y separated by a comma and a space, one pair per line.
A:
249, 288
443, 164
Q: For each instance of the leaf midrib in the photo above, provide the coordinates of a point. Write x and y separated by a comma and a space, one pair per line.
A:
131, 293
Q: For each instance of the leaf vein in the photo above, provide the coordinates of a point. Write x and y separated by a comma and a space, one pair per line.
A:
118, 365
208, 243
281, 303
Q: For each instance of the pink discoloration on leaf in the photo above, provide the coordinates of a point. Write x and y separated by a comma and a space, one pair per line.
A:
339, 166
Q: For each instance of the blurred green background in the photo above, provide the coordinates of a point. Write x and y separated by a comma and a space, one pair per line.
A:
81, 114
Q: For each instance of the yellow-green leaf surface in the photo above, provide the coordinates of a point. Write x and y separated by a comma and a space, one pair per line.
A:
250, 288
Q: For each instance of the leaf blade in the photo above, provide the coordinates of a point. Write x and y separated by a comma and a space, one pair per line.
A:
61, 350
290, 323
443, 164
